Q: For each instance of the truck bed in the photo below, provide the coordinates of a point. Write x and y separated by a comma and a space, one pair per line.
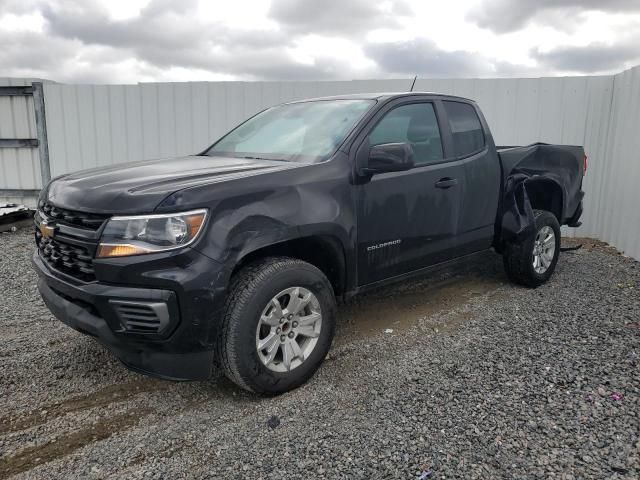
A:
559, 166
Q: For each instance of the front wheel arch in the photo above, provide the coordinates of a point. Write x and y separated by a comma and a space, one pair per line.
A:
324, 252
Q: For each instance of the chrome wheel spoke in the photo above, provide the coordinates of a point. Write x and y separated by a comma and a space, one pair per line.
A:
287, 355
294, 301
308, 331
277, 308
298, 301
310, 319
268, 341
549, 241
273, 351
273, 318
544, 248
297, 351
543, 261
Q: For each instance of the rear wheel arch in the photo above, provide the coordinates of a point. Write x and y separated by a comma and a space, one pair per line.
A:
546, 194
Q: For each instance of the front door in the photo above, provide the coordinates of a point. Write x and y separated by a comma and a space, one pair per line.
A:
409, 220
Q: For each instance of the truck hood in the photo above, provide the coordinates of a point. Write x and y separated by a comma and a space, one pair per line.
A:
140, 186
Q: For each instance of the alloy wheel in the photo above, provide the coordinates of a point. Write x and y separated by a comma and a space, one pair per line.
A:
544, 248
288, 329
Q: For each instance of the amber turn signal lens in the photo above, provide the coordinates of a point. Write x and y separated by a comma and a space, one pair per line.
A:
119, 250
195, 222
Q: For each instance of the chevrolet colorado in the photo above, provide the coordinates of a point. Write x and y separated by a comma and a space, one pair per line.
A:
237, 256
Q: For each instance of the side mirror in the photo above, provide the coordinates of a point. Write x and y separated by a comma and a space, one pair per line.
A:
389, 157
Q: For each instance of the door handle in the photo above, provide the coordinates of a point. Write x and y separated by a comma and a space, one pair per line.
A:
446, 182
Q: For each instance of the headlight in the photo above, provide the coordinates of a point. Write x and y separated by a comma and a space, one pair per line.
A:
149, 233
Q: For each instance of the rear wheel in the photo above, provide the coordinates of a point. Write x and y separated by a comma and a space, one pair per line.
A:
278, 325
532, 261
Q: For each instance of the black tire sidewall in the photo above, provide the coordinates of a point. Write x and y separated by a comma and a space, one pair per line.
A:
248, 365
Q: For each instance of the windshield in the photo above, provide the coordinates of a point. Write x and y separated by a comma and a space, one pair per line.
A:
297, 132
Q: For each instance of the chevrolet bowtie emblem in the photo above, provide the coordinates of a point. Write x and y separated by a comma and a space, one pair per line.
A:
47, 230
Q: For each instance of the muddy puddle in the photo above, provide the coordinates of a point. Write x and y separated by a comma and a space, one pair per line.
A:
401, 307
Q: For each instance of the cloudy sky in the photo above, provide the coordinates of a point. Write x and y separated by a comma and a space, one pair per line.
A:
114, 41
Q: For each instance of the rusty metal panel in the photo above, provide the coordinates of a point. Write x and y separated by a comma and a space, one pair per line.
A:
19, 164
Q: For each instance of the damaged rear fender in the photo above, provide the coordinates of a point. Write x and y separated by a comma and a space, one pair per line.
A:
546, 194
523, 195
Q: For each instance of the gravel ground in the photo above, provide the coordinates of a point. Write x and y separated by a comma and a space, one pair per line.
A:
478, 379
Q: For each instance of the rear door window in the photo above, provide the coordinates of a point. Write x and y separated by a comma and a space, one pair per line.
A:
468, 136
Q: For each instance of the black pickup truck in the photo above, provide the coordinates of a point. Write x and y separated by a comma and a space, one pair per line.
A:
238, 256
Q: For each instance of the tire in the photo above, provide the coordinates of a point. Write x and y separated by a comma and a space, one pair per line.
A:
250, 305
519, 257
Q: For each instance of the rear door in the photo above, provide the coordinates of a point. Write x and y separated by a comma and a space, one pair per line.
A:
408, 220
472, 145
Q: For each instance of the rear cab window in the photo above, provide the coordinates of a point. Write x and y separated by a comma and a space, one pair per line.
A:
466, 129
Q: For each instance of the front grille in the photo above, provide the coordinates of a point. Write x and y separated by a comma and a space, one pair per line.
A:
91, 221
71, 248
142, 317
74, 260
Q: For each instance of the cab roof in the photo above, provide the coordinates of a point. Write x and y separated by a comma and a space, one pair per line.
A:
380, 96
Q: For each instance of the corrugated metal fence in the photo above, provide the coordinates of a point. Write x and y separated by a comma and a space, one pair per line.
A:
94, 125
616, 184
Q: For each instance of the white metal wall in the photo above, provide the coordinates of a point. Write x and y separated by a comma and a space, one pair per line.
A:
617, 189
95, 125
19, 167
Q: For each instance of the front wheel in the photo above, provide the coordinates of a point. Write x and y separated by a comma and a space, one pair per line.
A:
531, 262
278, 325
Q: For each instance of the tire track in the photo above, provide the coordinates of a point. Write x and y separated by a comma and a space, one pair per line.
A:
100, 398
31, 457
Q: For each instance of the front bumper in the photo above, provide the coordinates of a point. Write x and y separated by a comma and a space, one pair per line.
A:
181, 348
